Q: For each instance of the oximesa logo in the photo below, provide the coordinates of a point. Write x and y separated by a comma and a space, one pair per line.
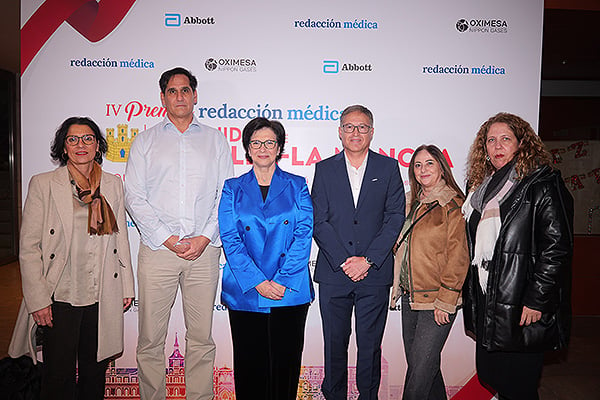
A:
474, 25
230, 64
210, 64
462, 25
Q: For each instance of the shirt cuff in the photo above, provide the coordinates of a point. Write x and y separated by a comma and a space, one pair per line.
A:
158, 237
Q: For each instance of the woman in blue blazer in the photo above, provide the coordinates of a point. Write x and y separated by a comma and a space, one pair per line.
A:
266, 220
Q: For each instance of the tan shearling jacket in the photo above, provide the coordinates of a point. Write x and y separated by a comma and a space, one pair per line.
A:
438, 257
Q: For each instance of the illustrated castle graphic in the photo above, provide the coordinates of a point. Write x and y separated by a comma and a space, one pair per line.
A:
120, 144
122, 383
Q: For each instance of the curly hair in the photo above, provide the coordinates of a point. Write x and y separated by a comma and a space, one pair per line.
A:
436, 153
530, 155
57, 149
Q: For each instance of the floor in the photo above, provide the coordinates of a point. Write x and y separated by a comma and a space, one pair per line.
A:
569, 375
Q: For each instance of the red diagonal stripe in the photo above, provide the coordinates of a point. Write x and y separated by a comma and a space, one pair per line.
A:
92, 19
473, 391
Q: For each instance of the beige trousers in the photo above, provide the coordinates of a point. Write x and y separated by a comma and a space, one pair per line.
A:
160, 273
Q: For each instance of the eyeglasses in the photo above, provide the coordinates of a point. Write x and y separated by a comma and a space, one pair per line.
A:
73, 140
257, 144
362, 128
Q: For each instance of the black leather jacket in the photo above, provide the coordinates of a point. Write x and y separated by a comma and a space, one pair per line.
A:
531, 267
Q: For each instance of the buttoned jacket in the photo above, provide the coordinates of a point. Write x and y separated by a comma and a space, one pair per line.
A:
45, 241
266, 240
369, 230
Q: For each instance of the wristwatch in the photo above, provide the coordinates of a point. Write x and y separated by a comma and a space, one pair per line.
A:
369, 261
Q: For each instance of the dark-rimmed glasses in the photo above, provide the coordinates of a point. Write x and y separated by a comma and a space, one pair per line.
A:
257, 144
362, 128
73, 140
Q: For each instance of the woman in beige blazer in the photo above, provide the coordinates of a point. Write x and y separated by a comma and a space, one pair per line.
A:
75, 266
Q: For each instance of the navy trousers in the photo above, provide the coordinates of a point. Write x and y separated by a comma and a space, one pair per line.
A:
370, 306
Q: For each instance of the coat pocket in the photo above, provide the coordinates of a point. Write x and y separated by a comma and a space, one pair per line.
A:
542, 335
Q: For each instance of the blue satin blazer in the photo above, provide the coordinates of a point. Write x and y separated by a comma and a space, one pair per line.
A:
268, 240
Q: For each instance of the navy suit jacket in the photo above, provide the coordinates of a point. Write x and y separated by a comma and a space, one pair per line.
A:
370, 229
268, 240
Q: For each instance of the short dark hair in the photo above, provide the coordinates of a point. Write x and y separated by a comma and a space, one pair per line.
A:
57, 150
167, 75
257, 124
359, 108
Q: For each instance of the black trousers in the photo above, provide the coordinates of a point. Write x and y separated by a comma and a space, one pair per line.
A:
267, 352
72, 343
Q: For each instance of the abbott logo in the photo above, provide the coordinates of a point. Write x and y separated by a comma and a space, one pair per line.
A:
331, 67
172, 19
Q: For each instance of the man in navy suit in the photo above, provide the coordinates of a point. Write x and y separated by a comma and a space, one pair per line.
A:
358, 201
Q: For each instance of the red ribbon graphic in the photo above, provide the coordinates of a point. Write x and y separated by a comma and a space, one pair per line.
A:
93, 20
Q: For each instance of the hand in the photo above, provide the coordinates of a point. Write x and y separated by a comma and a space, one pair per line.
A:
529, 316
127, 302
267, 290
196, 246
441, 317
356, 268
173, 244
43, 317
280, 289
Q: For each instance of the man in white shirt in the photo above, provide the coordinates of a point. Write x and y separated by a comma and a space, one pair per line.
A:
174, 177
358, 203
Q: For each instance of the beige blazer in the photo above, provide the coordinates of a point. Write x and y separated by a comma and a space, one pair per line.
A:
45, 241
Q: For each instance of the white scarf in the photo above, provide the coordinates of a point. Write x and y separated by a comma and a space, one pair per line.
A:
488, 228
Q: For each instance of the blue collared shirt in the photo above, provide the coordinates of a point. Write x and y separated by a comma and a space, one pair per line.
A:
173, 181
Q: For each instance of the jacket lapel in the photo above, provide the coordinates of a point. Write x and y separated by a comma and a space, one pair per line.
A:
62, 195
278, 186
341, 176
249, 186
369, 178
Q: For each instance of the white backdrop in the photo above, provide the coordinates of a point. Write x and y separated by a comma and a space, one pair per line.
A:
431, 72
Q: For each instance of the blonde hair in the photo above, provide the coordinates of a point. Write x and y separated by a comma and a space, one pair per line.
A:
530, 155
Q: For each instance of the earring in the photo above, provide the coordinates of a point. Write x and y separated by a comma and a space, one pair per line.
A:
64, 156
487, 158
98, 155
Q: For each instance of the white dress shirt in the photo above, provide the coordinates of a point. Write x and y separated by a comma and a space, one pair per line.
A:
356, 175
173, 182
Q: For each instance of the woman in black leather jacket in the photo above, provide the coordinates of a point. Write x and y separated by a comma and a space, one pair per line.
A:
519, 225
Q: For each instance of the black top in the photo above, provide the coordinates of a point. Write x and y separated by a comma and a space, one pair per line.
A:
264, 190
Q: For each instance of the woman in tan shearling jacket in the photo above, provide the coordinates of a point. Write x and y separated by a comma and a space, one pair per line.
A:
75, 266
430, 266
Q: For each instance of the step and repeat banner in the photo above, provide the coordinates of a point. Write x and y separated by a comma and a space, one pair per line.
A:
431, 72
